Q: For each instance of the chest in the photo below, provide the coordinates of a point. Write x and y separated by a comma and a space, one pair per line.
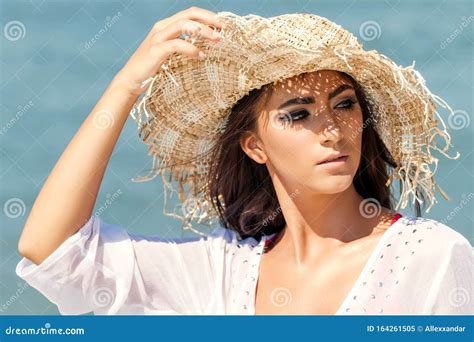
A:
317, 289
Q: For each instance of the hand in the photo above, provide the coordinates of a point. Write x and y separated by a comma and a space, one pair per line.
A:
162, 41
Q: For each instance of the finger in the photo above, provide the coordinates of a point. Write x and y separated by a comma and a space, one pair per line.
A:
200, 14
163, 50
184, 26
192, 13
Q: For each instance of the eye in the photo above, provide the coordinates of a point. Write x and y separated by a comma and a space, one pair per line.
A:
295, 116
346, 104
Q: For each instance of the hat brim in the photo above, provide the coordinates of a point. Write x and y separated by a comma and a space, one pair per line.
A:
189, 100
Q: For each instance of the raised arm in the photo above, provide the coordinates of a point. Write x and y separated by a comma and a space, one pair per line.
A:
67, 198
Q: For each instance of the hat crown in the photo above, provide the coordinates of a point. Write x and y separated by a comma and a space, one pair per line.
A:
300, 30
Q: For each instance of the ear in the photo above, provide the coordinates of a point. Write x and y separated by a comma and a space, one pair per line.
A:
252, 146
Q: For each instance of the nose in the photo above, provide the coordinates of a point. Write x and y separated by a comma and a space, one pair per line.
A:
330, 130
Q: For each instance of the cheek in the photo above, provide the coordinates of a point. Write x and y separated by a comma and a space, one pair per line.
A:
353, 136
353, 129
287, 148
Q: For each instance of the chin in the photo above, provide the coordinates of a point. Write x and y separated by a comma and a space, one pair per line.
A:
332, 185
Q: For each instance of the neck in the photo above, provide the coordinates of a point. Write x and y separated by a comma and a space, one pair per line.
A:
318, 222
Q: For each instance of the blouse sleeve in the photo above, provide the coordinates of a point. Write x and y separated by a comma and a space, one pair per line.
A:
102, 268
455, 291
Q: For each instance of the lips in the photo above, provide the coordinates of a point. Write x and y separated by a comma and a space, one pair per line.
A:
334, 158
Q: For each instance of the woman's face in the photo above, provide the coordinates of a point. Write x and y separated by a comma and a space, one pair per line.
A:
306, 119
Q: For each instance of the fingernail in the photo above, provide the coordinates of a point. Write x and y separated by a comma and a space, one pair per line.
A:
201, 55
216, 34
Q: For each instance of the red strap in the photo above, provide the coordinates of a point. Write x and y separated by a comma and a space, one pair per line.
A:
395, 218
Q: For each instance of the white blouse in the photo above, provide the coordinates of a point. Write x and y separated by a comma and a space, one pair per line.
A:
419, 266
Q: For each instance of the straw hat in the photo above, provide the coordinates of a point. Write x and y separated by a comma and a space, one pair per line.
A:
188, 101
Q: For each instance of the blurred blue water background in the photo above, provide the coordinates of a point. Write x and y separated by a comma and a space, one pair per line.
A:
50, 81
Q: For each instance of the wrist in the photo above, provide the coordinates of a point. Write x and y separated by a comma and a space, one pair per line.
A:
126, 87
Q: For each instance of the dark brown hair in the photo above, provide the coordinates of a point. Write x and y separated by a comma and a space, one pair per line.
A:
249, 204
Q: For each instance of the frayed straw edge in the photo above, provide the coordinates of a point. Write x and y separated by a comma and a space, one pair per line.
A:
200, 216
410, 183
161, 166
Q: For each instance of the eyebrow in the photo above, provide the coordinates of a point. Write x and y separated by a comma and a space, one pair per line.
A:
310, 99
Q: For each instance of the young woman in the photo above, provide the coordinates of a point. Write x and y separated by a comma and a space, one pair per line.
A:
297, 176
